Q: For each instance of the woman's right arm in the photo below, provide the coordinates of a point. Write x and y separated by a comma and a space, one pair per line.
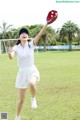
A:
11, 53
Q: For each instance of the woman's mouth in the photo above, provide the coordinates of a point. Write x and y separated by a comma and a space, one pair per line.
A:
24, 37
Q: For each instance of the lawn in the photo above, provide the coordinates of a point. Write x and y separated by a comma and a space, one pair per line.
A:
58, 92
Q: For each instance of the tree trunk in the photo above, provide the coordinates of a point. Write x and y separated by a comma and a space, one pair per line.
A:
44, 45
70, 45
70, 42
44, 39
4, 49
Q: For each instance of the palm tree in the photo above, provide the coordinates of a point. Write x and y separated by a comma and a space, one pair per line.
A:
4, 29
69, 29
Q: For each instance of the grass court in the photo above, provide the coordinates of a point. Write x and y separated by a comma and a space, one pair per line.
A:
58, 92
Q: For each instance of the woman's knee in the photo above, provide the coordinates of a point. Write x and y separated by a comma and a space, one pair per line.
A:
21, 101
33, 81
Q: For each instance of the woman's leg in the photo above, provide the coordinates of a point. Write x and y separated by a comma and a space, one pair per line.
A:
33, 82
20, 101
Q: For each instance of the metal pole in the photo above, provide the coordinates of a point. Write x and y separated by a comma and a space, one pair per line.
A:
0, 47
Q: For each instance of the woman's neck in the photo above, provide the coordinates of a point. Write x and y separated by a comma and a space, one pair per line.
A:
23, 43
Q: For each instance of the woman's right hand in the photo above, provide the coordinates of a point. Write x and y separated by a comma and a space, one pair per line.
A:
10, 50
10, 53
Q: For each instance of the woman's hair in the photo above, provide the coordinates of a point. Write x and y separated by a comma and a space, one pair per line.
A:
18, 42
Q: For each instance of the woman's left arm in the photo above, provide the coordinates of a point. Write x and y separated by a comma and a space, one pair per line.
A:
36, 39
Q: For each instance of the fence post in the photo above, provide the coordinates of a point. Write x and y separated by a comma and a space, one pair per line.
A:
0, 47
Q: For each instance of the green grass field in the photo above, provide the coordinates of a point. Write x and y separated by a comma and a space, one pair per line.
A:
58, 92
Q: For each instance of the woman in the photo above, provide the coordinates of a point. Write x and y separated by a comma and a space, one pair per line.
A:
28, 74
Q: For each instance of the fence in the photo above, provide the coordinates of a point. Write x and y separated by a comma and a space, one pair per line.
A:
57, 47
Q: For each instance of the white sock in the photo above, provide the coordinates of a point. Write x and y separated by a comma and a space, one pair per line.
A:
33, 98
17, 116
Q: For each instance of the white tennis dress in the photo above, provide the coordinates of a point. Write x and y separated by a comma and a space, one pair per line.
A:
27, 69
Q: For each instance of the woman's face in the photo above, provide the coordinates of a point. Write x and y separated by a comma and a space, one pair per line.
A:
23, 36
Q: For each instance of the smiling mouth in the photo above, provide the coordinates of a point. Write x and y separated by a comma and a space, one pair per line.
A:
24, 37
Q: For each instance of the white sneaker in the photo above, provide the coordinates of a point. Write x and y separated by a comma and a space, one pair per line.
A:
17, 118
33, 103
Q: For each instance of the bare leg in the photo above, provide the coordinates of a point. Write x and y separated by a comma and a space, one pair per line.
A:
33, 91
20, 101
33, 86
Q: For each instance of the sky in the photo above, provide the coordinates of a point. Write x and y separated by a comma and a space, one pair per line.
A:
30, 12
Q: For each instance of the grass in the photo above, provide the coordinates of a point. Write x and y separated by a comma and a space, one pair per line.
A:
58, 93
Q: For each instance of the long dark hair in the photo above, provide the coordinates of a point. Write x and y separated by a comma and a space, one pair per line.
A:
18, 42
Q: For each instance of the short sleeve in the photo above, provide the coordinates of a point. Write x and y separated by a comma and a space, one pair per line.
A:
31, 43
14, 48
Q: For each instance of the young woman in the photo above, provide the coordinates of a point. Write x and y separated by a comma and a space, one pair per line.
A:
28, 74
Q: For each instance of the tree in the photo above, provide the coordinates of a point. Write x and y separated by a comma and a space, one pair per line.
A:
78, 37
48, 38
69, 29
4, 30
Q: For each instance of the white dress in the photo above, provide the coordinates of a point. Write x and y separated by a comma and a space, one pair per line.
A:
27, 69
